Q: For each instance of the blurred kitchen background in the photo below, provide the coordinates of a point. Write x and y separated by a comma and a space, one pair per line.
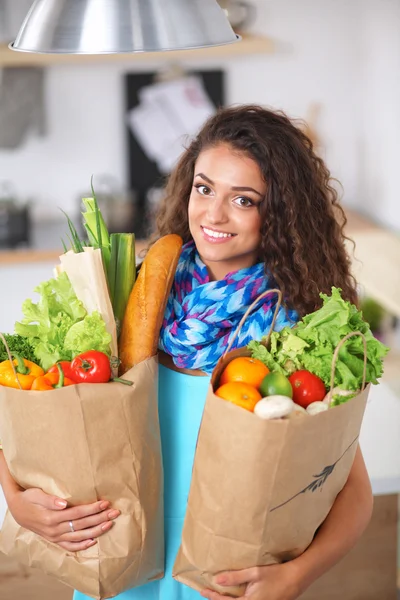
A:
334, 65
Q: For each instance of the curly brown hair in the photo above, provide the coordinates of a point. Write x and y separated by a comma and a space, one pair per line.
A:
302, 222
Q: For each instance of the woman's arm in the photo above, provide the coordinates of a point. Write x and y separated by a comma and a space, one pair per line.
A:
10, 487
340, 531
342, 528
49, 517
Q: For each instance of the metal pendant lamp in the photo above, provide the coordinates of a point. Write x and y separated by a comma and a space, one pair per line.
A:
119, 26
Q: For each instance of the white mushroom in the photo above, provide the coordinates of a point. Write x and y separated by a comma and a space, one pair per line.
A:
316, 407
299, 409
298, 412
274, 407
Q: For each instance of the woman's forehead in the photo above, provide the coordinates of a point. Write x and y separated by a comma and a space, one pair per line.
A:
223, 159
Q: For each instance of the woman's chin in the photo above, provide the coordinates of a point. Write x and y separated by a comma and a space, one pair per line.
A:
208, 254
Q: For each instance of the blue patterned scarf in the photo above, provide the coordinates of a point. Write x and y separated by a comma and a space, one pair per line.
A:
202, 315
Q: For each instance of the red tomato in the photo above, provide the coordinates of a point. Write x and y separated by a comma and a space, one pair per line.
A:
91, 367
307, 388
66, 367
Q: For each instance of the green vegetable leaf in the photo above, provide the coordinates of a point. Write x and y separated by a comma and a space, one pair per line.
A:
88, 334
48, 325
312, 343
17, 345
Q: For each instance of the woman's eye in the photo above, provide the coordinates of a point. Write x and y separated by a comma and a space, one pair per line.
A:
203, 189
243, 201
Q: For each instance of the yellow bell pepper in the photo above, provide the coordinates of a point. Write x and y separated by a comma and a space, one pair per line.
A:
27, 372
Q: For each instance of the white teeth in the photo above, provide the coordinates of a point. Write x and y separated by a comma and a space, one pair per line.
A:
216, 234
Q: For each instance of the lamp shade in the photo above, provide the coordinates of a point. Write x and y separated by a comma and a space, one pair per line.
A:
119, 26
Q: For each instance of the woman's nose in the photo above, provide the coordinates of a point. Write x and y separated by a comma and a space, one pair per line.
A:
217, 211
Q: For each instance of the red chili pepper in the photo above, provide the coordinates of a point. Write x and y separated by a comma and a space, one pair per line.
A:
66, 367
91, 367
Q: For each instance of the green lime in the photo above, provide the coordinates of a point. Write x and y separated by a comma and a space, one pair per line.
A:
276, 384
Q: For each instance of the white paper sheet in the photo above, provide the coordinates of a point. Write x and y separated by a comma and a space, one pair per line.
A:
169, 114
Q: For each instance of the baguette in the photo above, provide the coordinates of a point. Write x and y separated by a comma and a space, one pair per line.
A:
147, 302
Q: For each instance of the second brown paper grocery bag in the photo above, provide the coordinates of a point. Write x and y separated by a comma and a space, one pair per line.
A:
260, 489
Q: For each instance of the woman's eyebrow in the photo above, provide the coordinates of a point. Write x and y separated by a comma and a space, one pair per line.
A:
235, 188
210, 181
247, 189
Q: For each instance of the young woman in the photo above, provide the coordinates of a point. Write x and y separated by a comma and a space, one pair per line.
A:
256, 210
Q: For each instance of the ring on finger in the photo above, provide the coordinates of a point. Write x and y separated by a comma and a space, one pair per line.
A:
71, 526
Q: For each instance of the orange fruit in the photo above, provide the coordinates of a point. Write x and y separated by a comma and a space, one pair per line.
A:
241, 394
246, 370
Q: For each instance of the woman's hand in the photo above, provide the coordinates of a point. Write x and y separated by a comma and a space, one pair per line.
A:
276, 582
49, 517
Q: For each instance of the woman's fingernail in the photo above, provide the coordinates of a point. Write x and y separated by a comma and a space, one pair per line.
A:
61, 503
104, 505
106, 526
113, 514
91, 543
221, 580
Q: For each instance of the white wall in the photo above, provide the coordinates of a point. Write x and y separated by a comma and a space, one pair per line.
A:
331, 53
380, 134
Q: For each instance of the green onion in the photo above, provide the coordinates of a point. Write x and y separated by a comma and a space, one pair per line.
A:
73, 247
76, 242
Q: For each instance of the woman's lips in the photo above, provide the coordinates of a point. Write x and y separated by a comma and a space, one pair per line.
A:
216, 237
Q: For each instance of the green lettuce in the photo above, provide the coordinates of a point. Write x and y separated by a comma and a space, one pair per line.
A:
47, 323
88, 334
311, 345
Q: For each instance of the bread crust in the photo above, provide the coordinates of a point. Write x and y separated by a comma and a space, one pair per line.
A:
147, 302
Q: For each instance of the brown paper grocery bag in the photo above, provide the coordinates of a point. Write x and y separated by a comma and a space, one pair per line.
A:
260, 489
84, 443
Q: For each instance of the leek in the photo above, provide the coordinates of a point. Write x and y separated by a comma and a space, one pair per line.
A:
117, 251
96, 229
122, 273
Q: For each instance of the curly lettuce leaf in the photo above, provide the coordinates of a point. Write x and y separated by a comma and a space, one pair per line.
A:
312, 343
88, 334
58, 326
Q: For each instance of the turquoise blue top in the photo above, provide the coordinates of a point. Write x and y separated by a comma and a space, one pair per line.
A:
181, 401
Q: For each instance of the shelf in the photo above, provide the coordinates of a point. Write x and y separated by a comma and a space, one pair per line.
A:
24, 256
249, 44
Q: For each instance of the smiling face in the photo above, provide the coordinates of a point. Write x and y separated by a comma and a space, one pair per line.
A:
224, 218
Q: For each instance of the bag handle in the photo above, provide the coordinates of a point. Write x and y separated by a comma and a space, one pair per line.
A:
335, 357
248, 311
3, 339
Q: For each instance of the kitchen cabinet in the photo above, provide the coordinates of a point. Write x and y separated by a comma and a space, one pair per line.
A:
250, 44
